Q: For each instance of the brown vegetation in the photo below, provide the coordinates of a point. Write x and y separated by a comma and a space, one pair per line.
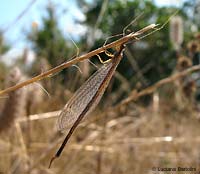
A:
125, 138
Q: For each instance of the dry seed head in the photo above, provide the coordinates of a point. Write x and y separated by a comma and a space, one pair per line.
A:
183, 63
176, 31
193, 46
15, 104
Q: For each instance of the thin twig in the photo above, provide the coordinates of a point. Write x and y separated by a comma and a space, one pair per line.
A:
124, 40
160, 83
152, 140
40, 116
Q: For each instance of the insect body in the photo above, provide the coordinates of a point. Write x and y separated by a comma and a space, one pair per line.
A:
86, 98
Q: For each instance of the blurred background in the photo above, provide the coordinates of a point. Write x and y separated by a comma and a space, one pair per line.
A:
125, 134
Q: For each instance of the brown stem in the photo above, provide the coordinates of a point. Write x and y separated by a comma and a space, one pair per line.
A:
124, 40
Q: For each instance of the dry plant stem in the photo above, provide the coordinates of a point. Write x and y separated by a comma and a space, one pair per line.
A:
101, 147
26, 159
39, 116
21, 139
115, 61
160, 83
153, 140
124, 40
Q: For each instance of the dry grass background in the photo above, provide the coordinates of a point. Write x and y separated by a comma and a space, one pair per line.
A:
127, 139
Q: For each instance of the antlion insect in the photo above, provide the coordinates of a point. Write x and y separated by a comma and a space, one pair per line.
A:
89, 94
86, 98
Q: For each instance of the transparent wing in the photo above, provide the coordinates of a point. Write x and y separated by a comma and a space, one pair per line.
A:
82, 97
